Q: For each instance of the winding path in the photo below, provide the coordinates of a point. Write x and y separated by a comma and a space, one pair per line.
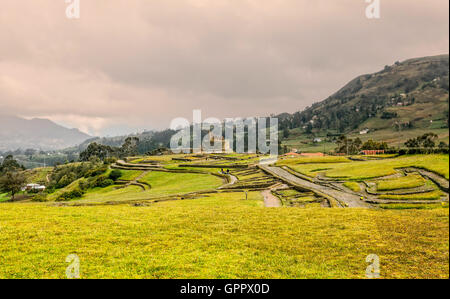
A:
345, 199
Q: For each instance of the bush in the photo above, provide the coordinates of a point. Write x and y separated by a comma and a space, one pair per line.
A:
84, 184
96, 171
103, 182
115, 174
41, 197
106, 183
74, 194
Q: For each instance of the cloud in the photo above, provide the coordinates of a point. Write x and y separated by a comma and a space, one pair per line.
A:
142, 63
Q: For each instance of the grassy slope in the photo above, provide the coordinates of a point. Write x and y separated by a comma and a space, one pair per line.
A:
376, 168
410, 181
221, 237
130, 175
162, 183
4, 197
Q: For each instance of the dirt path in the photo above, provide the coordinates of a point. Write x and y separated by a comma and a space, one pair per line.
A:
346, 199
270, 200
233, 180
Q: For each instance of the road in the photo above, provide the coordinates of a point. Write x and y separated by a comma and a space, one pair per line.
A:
349, 200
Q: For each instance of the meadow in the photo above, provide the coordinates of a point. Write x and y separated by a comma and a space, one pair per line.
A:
221, 236
184, 220
371, 169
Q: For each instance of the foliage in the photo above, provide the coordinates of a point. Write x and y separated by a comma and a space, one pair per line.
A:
348, 146
10, 164
115, 174
12, 181
41, 197
70, 195
427, 140
374, 145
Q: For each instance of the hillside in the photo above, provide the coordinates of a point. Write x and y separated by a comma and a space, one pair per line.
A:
36, 133
402, 100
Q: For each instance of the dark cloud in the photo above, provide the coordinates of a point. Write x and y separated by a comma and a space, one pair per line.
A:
141, 63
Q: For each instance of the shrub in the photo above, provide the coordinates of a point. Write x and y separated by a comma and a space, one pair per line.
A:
41, 197
103, 182
115, 174
96, 171
84, 184
74, 194
106, 183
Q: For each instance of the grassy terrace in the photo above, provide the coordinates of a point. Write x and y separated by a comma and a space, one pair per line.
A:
409, 181
372, 169
130, 175
434, 195
221, 236
162, 184
353, 186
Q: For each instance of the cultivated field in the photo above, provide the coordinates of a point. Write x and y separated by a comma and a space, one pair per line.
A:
184, 216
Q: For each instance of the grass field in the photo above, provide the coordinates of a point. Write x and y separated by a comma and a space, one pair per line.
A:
353, 186
374, 168
410, 181
4, 197
162, 184
160, 232
434, 195
130, 175
221, 236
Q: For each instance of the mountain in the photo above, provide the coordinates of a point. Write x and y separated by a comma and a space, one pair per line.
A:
36, 133
402, 100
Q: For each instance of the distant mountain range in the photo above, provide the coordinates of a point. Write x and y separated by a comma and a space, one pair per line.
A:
401, 101
36, 133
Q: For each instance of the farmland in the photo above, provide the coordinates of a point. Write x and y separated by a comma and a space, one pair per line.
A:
205, 216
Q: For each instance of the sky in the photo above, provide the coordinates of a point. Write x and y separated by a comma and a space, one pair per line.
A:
130, 65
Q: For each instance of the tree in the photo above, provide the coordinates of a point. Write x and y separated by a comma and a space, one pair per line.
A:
10, 164
426, 140
130, 147
12, 181
412, 143
285, 132
443, 145
97, 150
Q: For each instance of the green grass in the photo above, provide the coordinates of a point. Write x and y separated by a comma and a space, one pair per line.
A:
38, 175
4, 197
222, 236
353, 186
434, 195
162, 184
407, 182
443, 205
378, 168
312, 160
174, 183
53, 196
130, 175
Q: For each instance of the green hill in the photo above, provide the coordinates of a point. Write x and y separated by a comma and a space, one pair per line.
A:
403, 100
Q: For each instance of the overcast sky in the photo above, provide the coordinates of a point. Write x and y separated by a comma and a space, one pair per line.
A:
129, 64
